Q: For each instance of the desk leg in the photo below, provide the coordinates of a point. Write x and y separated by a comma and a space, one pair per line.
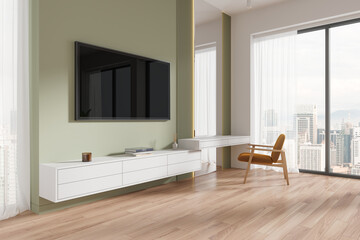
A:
226, 163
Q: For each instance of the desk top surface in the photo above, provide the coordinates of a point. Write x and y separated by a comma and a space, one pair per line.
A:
217, 137
199, 143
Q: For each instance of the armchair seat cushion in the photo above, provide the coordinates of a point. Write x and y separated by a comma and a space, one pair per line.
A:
257, 158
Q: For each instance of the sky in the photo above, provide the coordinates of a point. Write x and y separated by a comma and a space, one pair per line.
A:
344, 68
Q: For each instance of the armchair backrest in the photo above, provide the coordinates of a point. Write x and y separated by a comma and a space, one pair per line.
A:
278, 146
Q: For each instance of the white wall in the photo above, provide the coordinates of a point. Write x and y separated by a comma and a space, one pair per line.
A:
209, 33
289, 13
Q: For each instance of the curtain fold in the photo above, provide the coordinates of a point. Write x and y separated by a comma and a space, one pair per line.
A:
14, 108
205, 103
205, 92
273, 91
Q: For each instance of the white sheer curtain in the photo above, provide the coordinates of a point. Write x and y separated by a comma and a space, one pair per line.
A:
273, 92
14, 108
205, 92
205, 102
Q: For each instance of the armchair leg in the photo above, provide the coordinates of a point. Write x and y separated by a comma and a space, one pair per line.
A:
246, 173
248, 166
284, 171
286, 175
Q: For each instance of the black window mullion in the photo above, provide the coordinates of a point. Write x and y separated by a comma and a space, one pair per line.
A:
327, 101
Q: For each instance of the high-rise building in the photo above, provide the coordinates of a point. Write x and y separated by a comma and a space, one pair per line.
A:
312, 156
340, 149
355, 151
333, 135
355, 146
333, 157
306, 124
320, 135
343, 144
356, 131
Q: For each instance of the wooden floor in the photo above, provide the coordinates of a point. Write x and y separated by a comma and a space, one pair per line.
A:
214, 206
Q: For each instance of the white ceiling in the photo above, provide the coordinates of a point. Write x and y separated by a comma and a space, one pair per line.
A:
208, 10
204, 12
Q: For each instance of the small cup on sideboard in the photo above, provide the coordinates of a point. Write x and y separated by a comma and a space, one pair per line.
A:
86, 156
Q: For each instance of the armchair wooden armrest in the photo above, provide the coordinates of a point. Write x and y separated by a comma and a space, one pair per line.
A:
258, 145
266, 149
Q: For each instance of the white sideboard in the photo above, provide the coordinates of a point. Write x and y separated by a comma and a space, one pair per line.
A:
72, 179
199, 143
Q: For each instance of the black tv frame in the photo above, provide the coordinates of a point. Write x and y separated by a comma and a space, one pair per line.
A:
77, 45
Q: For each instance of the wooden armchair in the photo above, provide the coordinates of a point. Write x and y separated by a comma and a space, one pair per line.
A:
268, 160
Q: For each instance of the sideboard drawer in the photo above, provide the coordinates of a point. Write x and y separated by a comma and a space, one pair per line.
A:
184, 167
184, 157
144, 163
88, 171
145, 175
90, 186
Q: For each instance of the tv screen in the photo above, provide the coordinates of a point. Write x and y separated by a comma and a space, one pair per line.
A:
113, 85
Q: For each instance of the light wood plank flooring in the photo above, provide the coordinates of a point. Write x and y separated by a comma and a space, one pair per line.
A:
214, 206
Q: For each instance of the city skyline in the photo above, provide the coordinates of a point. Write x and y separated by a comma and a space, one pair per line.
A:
310, 140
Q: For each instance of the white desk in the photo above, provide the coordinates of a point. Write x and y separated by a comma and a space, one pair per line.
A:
199, 143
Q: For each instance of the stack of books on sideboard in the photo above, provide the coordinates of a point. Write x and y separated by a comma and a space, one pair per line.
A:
139, 151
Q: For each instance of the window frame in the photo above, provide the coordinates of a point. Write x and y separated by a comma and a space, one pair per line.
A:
327, 28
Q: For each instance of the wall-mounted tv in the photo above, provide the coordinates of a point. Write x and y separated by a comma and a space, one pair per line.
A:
113, 85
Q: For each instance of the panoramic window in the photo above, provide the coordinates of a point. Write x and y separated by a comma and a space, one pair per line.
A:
305, 84
344, 103
310, 95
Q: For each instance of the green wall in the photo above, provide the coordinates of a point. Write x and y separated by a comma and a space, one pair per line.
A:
142, 27
34, 104
226, 85
185, 71
185, 68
